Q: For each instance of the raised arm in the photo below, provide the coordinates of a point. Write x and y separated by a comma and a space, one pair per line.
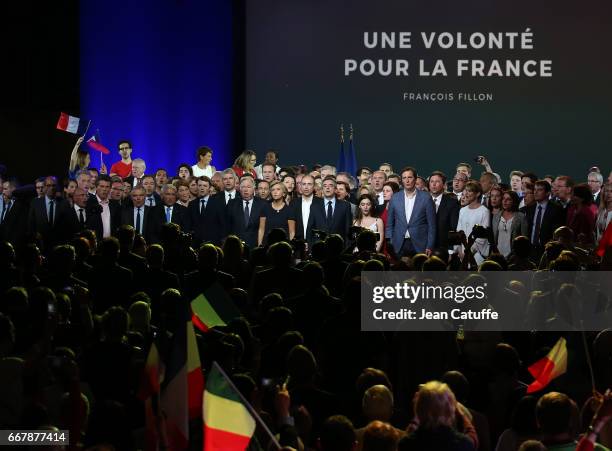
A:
73, 155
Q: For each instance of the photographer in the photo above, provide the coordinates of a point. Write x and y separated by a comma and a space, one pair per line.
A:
472, 215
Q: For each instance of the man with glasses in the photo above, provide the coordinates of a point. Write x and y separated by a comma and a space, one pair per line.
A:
123, 168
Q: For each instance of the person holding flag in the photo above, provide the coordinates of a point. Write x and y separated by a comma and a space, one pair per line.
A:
79, 159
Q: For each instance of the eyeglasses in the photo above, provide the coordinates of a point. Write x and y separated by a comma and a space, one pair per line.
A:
124, 148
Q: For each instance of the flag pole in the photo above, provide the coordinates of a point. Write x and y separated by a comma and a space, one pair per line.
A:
248, 406
588, 359
87, 128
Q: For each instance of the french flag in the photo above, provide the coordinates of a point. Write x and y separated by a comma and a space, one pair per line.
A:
95, 144
70, 124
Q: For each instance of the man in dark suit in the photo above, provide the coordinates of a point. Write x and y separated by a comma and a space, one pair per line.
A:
204, 212
13, 215
110, 284
447, 212
307, 212
243, 213
49, 216
411, 221
543, 217
152, 199
144, 219
138, 170
82, 218
337, 213
170, 211
105, 213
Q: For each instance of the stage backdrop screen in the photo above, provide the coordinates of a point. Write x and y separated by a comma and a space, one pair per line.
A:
527, 84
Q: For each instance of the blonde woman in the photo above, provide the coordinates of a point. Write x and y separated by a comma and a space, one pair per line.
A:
604, 215
275, 214
245, 162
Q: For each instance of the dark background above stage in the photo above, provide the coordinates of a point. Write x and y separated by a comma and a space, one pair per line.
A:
297, 94
167, 75
40, 78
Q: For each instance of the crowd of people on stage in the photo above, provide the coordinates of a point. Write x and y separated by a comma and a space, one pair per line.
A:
94, 265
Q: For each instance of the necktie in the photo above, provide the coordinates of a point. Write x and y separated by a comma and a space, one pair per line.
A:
229, 197
81, 217
246, 214
150, 201
437, 202
202, 205
538, 223
51, 212
168, 214
4, 210
138, 220
330, 212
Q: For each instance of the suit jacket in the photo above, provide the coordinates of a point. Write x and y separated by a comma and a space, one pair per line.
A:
316, 218
342, 218
180, 216
520, 227
205, 225
235, 220
38, 221
130, 179
422, 226
150, 226
553, 217
446, 220
15, 224
94, 216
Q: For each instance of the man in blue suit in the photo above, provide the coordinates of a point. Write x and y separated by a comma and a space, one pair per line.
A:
411, 221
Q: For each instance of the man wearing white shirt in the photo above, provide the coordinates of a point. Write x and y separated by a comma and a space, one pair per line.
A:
595, 181
171, 211
411, 218
307, 211
447, 211
272, 159
459, 182
229, 180
378, 180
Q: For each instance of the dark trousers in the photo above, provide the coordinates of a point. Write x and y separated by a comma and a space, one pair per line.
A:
407, 249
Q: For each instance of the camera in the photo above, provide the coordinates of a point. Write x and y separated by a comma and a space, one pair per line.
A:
479, 231
354, 232
479, 159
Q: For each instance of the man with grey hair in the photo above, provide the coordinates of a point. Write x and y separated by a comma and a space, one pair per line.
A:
377, 181
144, 219
595, 181
170, 211
138, 171
327, 170
243, 213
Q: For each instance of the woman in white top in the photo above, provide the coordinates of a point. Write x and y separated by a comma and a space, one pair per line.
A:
366, 218
203, 166
474, 214
604, 215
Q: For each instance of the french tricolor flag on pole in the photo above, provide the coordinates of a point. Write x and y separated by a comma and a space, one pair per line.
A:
95, 144
70, 124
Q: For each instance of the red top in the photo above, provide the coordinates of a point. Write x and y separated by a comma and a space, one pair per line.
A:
606, 241
240, 172
121, 169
